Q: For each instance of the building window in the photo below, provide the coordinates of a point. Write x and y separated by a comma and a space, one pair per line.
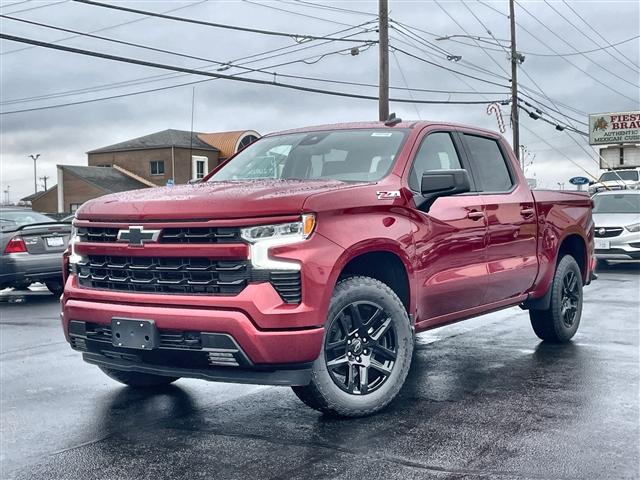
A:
74, 206
246, 141
157, 167
199, 167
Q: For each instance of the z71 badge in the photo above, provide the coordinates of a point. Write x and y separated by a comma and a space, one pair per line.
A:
388, 195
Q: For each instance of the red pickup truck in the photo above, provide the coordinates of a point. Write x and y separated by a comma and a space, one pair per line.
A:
313, 257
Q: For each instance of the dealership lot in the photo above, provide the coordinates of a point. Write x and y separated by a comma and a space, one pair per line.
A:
484, 399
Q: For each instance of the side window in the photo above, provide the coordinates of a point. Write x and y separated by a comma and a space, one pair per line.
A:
490, 165
436, 152
156, 167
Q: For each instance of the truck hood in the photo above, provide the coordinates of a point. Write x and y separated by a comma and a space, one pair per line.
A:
208, 200
615, 219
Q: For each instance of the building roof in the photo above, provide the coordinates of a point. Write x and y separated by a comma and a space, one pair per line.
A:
108, 179
164, 139
34, 196
226, 142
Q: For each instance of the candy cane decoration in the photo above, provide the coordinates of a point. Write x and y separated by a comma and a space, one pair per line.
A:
495, 108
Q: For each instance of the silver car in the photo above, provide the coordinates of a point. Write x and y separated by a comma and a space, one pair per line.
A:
617, 180
617, 225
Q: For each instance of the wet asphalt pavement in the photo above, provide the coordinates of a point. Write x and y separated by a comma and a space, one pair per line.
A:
484, 399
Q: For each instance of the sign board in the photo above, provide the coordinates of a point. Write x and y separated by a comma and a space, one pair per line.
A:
614, 128
579, 181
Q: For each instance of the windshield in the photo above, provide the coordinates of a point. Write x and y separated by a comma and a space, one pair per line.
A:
15, 218
622, 175
346, 155
618, 203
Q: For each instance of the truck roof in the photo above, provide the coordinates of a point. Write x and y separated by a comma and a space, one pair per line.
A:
363, 125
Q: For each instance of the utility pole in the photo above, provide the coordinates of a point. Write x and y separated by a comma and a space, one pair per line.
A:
35, 175
383, 44
44, 181
515, 57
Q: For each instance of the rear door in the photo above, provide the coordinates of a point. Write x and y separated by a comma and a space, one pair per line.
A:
449, 237
511, 217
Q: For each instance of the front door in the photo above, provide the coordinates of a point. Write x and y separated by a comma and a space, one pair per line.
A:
449, 238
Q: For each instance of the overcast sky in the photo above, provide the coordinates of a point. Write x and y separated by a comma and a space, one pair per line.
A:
63, 135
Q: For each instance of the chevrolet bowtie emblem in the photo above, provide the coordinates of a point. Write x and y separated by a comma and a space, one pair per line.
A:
138, 236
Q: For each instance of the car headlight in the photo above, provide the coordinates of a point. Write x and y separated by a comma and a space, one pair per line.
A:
634, 227
264, 237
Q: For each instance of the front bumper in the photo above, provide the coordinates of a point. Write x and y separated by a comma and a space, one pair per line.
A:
17, 268
625, 246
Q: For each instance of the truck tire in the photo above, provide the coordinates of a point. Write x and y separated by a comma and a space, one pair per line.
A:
559, 323
366, 353
55, 286
137, 379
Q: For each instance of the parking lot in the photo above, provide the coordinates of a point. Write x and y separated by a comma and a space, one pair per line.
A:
484, 399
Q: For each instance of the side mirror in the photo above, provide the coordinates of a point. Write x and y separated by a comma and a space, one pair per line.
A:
591, 182
442, 183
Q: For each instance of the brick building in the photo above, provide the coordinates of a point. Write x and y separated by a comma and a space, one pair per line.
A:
147, 161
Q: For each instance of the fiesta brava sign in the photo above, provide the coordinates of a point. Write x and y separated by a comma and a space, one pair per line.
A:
614, 128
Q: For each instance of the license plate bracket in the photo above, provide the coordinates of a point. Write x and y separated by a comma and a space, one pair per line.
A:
132, 333
602, 244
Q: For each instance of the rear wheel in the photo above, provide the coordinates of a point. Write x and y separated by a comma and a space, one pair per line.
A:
559, 323
367, 351
137, 379
55, 286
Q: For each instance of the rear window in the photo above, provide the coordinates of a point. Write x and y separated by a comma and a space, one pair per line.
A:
13, 218
621, 175
617, 203
490, 165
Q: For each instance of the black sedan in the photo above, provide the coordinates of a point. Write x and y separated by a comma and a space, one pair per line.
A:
31, 244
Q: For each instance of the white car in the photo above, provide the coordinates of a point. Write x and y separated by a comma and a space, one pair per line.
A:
616, 215
617, 180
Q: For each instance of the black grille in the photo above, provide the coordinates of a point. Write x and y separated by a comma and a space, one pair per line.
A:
169, 235
164, 275
168, 338
288, 285
608, 232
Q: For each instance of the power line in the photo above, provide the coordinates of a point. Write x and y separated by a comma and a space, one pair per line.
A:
331, 7
581, 32
295, 13
145, 63
447, 68
104, 28
296, 36
404, 79
154, 78
600, 36
38, 7
575, 49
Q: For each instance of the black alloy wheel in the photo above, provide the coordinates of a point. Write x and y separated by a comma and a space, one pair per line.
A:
361, 347
570, 298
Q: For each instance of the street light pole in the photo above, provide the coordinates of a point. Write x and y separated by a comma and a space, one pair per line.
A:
35, 175
383, 44
515, 122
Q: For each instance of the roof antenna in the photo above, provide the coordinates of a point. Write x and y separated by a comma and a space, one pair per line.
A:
392, 121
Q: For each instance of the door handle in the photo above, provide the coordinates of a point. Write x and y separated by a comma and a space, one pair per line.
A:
475, 215
527, 212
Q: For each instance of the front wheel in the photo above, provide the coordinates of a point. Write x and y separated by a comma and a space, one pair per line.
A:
559, 323
55, 286
367, 351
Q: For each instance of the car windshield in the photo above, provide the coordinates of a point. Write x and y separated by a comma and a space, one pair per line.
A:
16, 218
346, 155
617, 203
621, 175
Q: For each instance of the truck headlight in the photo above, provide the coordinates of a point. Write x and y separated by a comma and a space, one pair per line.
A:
74, 258
264, 237
634, 227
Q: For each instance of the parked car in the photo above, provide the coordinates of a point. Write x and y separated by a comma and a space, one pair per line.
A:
313, 256
32, 245
627, 179
616, 216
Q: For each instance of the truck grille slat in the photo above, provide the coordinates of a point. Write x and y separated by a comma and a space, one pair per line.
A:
169, 235
164, 275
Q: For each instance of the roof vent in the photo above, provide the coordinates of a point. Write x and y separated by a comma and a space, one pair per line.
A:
392, 121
